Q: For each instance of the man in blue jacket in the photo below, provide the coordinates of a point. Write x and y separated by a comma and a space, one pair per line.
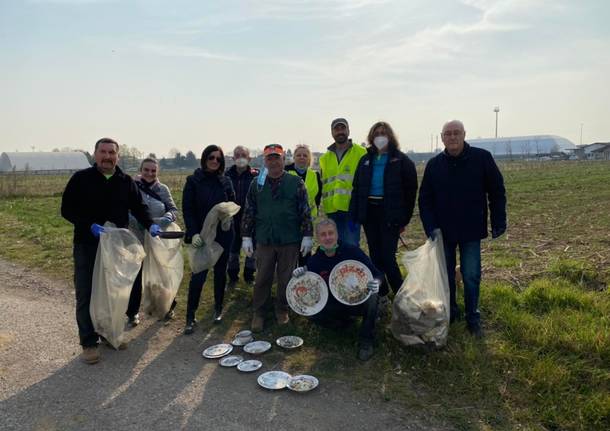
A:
456, 188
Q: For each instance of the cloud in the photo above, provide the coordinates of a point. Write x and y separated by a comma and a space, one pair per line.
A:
186, 51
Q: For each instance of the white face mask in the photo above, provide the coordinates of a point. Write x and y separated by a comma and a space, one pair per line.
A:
380, 142
241, 162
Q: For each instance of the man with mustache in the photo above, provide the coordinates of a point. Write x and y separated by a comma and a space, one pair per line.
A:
92, 197
337, 168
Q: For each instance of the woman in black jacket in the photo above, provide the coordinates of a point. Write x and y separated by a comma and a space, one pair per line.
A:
383, 197
205, 188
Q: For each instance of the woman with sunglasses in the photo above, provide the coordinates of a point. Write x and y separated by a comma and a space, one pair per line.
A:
204, 189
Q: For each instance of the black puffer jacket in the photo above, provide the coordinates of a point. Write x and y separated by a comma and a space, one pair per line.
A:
201, 192
399, 188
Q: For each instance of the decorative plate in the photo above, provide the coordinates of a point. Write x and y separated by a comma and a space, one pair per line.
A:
307, 295
289, 341
302, 383
273, 380
230, 361
239, 342
249, 366
257, 347
348, 281
217, 351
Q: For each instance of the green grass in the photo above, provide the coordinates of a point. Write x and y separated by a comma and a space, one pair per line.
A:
545, 361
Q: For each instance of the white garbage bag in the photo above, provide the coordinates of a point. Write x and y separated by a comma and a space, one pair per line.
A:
117, 263
202, 258
420, 312
162, 272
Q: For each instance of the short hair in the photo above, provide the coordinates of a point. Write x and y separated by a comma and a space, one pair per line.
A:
106, 141
307, 149
241, 147
392, 141
453, 121
324, 221
149, 160
206, 153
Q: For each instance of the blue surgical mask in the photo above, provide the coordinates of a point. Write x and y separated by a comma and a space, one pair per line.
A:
301, 171
262, 176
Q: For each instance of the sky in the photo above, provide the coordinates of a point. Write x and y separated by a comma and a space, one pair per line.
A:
183, 74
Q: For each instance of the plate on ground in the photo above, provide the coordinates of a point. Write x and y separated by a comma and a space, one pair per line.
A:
289, 341
241, 342
257, 347
249, 366
273, 380
302, 383
307, 295
230, 361
217, 351
348, 281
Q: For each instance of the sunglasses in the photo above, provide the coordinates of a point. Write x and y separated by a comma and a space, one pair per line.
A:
218, 159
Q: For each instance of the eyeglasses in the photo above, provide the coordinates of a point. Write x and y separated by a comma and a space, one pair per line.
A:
218, 159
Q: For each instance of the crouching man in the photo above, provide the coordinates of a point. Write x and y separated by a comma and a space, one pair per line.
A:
335, 314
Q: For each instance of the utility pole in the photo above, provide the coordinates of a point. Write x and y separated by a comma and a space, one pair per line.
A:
581, 124
496, 110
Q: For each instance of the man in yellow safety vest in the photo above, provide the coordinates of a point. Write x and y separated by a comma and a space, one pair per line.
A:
337, 168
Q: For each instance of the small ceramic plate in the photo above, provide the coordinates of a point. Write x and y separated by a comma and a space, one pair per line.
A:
348, 280
246, 333
307, 295
257, 347
239, 342
273, 380
230, 361
217, 351
249, 366
302, 383
289, 341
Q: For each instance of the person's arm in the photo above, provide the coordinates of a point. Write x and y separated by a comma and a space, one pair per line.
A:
303, 209
496, 194
136, 205
426, 202
353, 202
363, 258
409, 184
171, 211
248, 219
319, 195
70, 202
188, 210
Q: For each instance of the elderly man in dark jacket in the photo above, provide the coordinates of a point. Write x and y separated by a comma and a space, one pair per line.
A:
455, 191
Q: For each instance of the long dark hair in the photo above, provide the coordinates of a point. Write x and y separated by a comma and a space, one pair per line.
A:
393, 144
206, 153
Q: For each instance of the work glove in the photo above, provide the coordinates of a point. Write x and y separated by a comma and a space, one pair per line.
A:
497, 231
226, 224
154, 229
373, 285
165, 221
247, 246
352, 226
197, 241
97, 229
299, 272
306, 245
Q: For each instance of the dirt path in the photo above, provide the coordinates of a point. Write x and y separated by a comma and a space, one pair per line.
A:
160, 382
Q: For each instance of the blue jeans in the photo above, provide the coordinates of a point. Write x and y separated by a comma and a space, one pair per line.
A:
346, 235
470, 267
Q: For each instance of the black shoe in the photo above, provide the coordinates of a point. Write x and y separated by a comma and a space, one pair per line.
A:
190, 327
366, 351
476, 331
133, 321
217, 316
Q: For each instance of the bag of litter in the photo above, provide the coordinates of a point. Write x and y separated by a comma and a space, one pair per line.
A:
420, 313
202, 258
162, 272
117, 263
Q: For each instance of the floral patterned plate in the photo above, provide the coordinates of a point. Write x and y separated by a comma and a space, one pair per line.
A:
348, 281
307, 295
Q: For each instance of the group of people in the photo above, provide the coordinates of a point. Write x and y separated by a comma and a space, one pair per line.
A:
282, 207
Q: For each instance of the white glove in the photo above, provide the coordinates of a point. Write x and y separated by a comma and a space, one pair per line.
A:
197, 241
373, 285
226, 224
299, 272
247, 246
306, 245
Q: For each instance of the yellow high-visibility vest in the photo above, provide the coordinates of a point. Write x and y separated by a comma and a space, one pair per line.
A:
311, 184
337, 178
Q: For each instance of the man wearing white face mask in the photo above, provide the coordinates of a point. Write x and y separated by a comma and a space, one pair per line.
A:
241, 175
383, 198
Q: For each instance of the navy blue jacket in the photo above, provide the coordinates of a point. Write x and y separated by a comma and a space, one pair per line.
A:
455, 191
399, 188
201, 192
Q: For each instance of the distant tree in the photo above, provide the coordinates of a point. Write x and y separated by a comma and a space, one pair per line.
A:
152, 156
172, 152
191, 160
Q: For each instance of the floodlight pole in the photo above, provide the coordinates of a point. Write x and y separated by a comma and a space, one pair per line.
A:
581, 124
496, 110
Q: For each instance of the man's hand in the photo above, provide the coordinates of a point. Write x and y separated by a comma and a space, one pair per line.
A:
97, 229
154, 229
306, 245
299, 272
247, 246
373, 285
497, 231
197, 241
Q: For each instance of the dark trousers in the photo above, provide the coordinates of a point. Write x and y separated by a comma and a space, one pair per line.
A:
84, 261
233, 266
337, 314
197, 282
348, 233
135, 298
383, 242
470, 267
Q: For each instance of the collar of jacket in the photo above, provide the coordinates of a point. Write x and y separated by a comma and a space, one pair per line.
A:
463, 155
333, 146
202, 175
117, 171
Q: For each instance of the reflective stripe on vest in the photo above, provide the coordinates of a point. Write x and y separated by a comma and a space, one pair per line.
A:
337, 178
311, 184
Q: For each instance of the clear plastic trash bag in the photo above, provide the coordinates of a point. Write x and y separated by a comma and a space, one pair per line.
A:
420, 313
